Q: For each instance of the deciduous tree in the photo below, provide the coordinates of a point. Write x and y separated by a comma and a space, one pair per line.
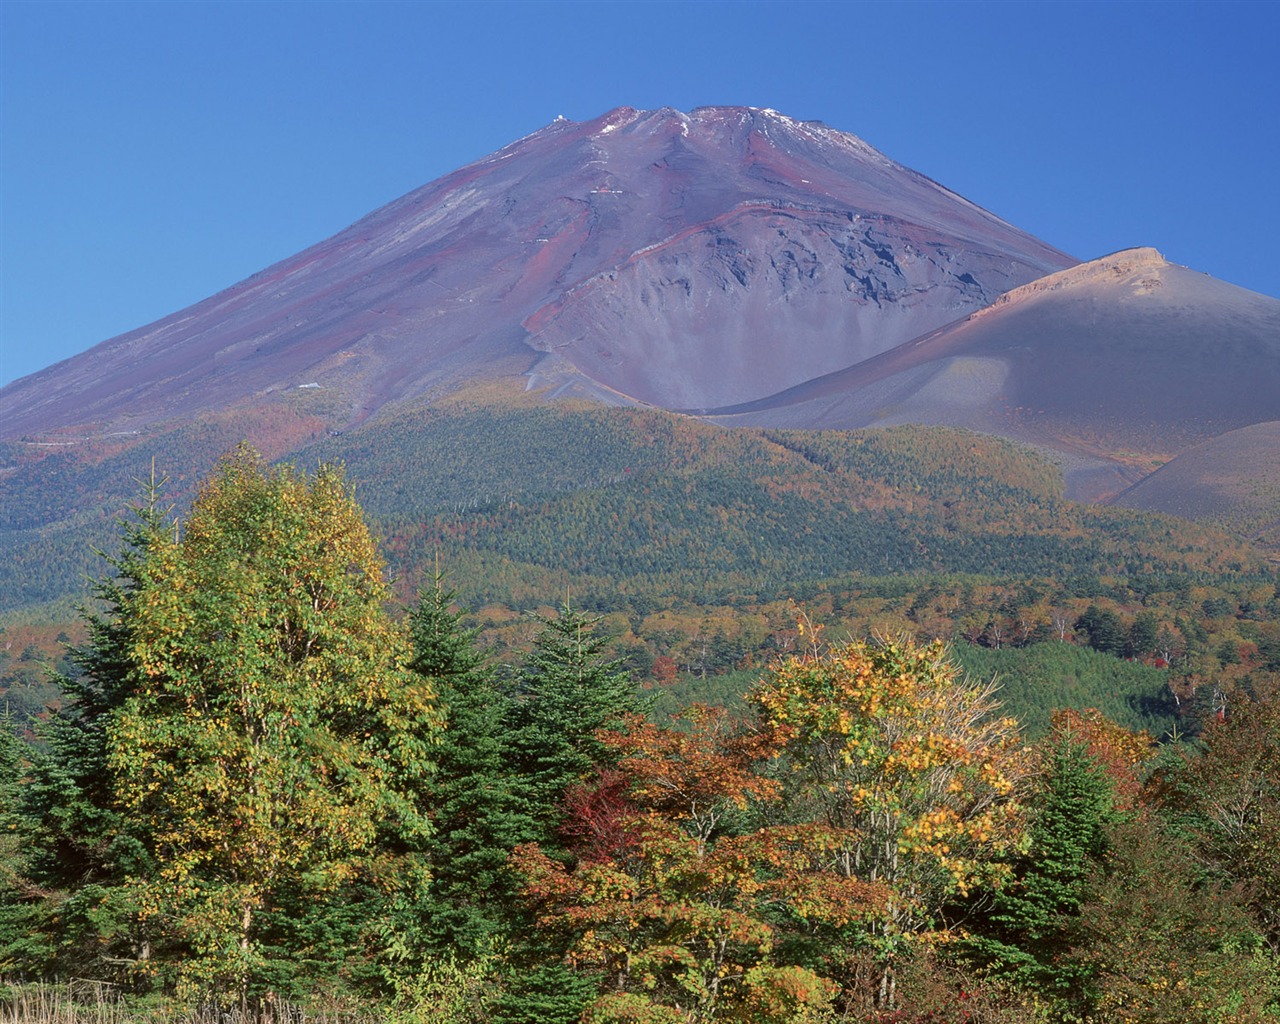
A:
889, 747
273, 739
1233, 791
675, 914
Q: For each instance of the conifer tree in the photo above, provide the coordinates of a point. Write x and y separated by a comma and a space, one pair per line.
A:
13, 758
23, 942
80, 845
1027, 936
568, 689
476, 820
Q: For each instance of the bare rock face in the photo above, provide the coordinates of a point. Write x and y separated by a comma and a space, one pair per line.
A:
765, 296
810, 251
685, 260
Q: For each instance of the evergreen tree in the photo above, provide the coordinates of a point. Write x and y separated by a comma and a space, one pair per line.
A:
1102, 630
477, 823
23, 942
546, 992
80, 846
1027, 933
13, 760
1144, 636
568, 689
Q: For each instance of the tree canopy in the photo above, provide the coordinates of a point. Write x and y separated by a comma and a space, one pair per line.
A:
247, 720
264, 785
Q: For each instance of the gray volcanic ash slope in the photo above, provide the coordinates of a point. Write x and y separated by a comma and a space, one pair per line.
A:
1233, 480
1116, 365
685, 260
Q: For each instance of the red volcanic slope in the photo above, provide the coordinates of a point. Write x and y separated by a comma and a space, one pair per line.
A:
686, 260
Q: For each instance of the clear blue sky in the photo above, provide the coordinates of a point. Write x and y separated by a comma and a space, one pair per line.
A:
154, 153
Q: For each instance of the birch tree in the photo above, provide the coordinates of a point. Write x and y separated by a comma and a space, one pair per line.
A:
273, 735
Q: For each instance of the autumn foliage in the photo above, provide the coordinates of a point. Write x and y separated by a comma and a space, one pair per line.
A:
871, 787
678, 895
262, 785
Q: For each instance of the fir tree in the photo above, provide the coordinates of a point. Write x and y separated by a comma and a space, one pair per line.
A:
1027, 936
81, 847
477, 822
23, 941
568, 689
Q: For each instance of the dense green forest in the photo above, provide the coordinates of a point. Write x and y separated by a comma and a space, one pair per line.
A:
253, 784
630, 508
697, 543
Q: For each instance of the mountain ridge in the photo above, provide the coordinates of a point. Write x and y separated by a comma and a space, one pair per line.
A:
436, 286
730, 262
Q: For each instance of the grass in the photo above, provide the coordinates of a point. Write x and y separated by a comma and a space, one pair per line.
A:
90, 1002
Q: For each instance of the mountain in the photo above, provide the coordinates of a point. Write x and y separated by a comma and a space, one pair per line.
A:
1232, 480
730, 264
1113, 366
681, 260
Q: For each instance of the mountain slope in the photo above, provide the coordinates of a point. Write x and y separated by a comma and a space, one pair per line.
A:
1232, 480
731, 262
1115, 365
667, 257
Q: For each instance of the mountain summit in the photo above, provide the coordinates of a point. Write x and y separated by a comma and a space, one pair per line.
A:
698, 260
732, 263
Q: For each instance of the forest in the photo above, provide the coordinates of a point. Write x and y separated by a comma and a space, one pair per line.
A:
264, 782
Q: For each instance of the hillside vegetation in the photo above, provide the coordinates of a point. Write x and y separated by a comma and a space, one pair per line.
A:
637, 501
697, 542
674, 506
264, 792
